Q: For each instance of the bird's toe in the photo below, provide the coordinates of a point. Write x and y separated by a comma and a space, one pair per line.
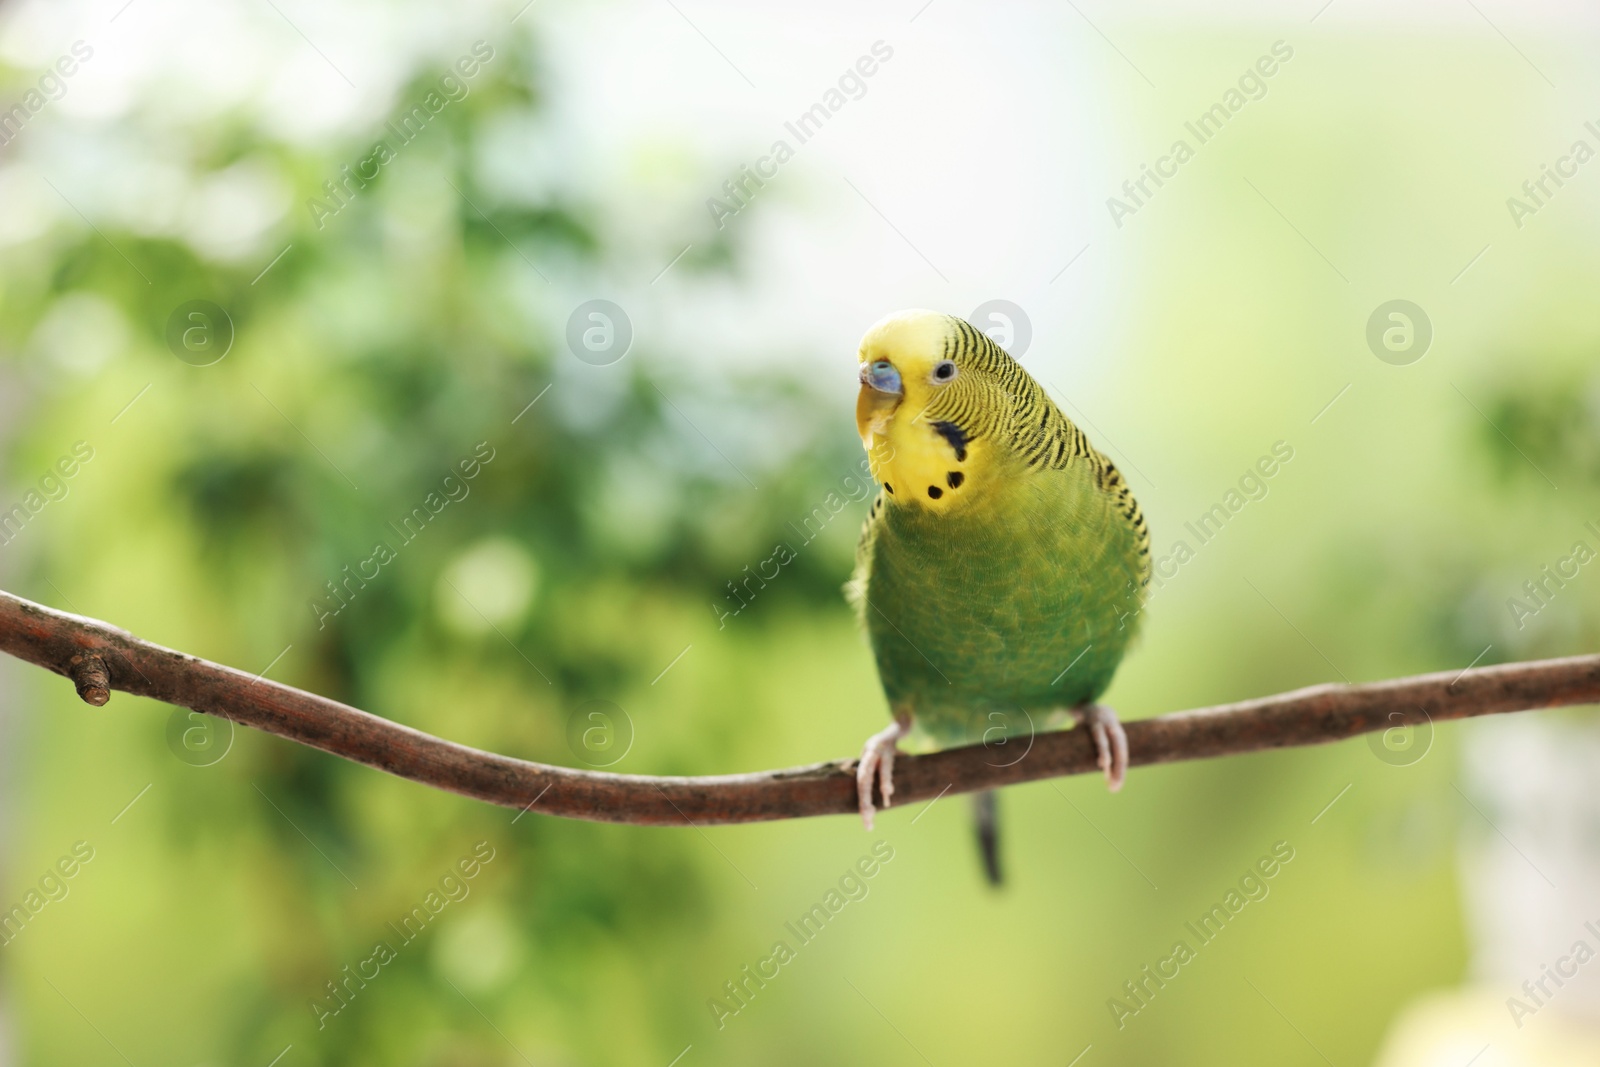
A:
1110, 742
877, 764
866, 770
886, 775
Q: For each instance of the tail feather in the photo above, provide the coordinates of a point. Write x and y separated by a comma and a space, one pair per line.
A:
984, 808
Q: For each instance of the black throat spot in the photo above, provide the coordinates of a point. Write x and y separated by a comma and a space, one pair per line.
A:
956, 436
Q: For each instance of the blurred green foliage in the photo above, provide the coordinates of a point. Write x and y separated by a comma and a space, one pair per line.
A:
385, 347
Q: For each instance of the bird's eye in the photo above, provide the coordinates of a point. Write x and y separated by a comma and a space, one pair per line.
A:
945, 371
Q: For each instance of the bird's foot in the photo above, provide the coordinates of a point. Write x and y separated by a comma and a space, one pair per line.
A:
1110, 741
877, 762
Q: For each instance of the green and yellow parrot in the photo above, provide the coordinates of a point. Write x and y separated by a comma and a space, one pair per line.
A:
1004, 562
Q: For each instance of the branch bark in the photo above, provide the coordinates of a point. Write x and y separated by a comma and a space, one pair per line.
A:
99, 658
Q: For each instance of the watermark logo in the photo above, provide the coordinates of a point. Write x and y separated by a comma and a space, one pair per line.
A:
1252, 485
52, 486
53, 886
599, 332
853, 487
1406, 739
1540, 590
1399, 332
1204, 127
740, 190
599, 733
196, 739
401, 129
51, 86
739, 992
1139, 992
351, 581
453, 887
1008, 736
1537, 191
199, 332
1565, 968
1004, 323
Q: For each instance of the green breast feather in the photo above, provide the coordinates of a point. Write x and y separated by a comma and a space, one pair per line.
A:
1016, 606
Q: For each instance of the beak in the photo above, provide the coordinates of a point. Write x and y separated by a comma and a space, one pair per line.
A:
882, 376
881, 392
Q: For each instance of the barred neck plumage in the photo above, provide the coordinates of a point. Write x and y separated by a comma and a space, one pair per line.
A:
1031, 423
947, 416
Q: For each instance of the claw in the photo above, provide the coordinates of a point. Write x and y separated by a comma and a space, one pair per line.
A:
1110, 741
877, 762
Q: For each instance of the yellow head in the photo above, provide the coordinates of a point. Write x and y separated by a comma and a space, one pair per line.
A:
937, 404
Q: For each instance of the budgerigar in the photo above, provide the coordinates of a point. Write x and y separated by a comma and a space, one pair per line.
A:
1004, 562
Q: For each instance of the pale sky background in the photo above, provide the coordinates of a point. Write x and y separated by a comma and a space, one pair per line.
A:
989, 147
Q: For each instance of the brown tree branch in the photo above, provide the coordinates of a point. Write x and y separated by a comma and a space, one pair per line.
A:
99, 658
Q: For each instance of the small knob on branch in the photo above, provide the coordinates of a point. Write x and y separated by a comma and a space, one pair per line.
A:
93, 680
